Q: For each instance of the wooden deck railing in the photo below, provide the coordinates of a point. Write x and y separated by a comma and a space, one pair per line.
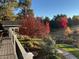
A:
18, 48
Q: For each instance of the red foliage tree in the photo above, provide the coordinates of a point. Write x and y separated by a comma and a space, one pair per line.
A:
47, 27
46, 21
33, 27
64, 22
40, 28
27, 25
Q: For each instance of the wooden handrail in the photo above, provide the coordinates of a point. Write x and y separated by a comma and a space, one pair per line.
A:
26, 55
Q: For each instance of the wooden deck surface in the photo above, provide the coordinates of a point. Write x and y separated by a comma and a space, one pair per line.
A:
6, 50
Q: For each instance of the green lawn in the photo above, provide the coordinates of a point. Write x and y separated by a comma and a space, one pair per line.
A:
69, 48
58, 57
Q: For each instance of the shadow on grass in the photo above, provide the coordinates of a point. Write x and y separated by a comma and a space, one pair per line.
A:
75, 53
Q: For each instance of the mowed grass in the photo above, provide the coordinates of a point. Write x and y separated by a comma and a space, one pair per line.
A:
69, 48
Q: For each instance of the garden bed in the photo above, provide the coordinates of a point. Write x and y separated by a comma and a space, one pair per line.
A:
41, 48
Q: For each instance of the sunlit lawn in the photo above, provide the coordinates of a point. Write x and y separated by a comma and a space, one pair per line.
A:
69, 48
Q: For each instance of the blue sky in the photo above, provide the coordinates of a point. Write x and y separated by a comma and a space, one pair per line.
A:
20, 1
53, 7
17, 10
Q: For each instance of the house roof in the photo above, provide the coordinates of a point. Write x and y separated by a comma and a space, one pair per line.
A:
7, 22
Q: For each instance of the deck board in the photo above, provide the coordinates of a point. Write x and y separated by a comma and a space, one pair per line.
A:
6, 50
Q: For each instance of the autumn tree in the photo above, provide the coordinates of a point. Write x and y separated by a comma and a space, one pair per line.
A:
27, 25
6, 9
32, 26
64, 22
47, 27
60, 21
2, 8
47, 24
75, 20
41, 30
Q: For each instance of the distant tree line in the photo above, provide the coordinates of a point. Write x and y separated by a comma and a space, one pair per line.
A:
62, 21
40, 27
